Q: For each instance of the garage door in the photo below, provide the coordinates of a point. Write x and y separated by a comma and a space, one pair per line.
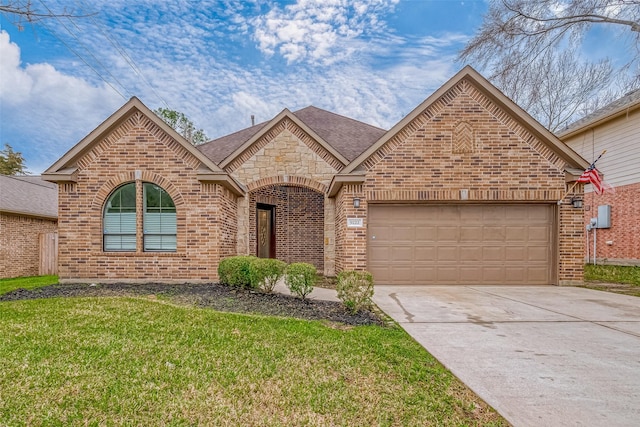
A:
461, 244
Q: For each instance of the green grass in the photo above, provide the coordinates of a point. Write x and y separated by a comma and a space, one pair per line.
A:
134, 361
612, 274
8, 285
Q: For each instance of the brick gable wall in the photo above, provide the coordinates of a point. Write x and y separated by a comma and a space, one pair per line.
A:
497, 160
19, 244
205, 212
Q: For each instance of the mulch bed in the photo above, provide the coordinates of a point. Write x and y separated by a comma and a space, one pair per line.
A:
215, 296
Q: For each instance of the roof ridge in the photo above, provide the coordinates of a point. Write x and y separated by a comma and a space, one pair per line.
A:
339, 115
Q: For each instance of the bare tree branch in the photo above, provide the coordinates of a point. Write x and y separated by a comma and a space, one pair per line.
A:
20, 12
525, 47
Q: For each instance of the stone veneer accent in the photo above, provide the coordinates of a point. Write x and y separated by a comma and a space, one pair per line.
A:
418, 164
206, 226
19, 244
286, 156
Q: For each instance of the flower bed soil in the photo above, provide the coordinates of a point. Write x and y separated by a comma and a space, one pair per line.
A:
215, 296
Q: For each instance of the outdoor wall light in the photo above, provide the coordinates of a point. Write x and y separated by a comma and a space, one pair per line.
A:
576, 202
356, 202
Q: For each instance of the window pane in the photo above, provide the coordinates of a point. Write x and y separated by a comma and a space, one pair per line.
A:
157, 242
119, 221
119, 242
152, 195
159, 220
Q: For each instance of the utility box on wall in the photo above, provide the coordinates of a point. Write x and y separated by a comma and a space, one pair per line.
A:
604, 216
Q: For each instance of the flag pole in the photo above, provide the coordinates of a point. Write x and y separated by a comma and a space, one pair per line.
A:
567, 193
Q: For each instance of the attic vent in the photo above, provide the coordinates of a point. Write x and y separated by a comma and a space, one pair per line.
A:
463, 139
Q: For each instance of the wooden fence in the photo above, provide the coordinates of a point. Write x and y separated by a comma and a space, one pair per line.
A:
48, 253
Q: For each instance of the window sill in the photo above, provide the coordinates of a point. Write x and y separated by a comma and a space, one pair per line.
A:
144, 254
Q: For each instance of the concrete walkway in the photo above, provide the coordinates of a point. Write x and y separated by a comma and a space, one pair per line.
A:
317, 293
541, 356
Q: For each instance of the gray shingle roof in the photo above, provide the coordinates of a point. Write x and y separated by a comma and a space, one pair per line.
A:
28, 195
629, 100
347, 136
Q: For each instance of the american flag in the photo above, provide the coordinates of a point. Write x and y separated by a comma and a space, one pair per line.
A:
591, 176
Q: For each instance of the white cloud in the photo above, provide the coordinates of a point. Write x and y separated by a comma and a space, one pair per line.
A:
195, 61
318, 31
46, 108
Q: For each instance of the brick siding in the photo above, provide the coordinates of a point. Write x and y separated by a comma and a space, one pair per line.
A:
624, 233
205, 212
498, 161
299, 223
19, 244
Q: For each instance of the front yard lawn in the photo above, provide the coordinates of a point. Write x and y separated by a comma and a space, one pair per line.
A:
145, 361
8, 285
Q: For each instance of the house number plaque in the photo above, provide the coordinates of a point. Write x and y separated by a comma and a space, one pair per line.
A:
355, 222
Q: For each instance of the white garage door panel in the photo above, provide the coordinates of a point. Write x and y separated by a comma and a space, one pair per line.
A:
461, 244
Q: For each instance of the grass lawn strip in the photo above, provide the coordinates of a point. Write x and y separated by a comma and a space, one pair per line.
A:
8, 285
135, 361
613, 278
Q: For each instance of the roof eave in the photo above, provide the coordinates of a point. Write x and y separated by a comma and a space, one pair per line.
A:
29, 214
598, 121
223, 179
339, 180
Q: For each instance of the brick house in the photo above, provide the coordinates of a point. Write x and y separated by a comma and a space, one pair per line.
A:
28, 210
614, 128
464, 189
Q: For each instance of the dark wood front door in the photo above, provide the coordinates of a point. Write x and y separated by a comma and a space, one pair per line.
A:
266, 230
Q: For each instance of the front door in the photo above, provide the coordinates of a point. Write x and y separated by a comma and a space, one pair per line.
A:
266, 230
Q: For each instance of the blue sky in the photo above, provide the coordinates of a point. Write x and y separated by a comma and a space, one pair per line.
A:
220, 61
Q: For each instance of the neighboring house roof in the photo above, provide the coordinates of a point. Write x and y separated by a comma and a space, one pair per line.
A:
616, 108
28, 195
348, 137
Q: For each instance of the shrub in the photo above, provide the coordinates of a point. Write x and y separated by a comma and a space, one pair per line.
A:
355, 289
236, 270
300, 278
265, 273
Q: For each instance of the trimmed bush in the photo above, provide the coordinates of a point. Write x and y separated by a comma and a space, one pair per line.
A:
300, 278
265, 273
355, 289
236, 271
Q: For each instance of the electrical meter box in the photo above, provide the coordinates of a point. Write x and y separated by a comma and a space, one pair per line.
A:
604, 216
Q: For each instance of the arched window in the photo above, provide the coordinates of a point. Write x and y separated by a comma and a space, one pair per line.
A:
158, 220
120, 219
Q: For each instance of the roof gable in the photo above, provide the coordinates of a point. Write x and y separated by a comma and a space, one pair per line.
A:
62, 169
347, 136
440, 98
251, 145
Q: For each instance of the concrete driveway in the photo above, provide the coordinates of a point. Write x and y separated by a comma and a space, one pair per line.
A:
540, 355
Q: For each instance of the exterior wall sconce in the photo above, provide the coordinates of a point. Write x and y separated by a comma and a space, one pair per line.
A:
576, 202
356, 202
